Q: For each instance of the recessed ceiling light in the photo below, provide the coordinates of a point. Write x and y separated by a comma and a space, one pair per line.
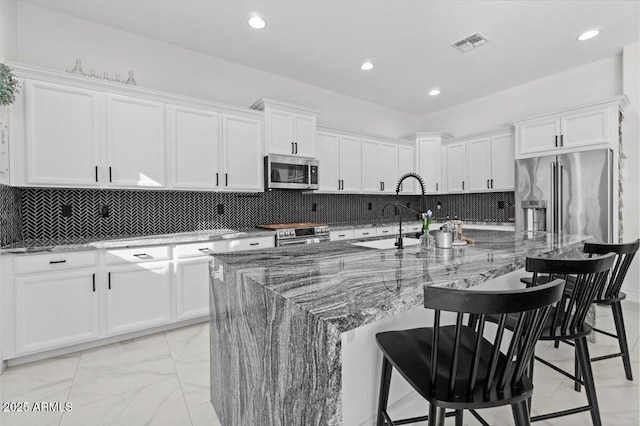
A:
366, 66
257, 22
434, 92
588, 35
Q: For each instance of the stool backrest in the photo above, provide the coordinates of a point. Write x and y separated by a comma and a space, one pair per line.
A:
587, 277
487, 373
624, 256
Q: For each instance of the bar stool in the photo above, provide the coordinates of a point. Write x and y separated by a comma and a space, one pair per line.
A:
454, 366
612, 296
567, 321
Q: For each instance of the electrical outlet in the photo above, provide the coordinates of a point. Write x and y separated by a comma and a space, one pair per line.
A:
439, 205
103, 210
370, 206
66, 210
314, 207
221, 209
500, 204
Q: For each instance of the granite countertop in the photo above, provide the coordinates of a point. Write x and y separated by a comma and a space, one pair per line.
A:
348, 285
341, 227
176, 238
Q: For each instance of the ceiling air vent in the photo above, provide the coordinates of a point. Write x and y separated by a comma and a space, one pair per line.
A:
471, 42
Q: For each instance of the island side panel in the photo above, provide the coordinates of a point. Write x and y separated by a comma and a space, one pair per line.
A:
271, 362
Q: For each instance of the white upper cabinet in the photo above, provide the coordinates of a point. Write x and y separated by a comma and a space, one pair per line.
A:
406, 164
242, 155
135, 142
195, 148
379, 166
478, 152
328, 156
503, 162
429, 159
340, 162
62, 135
455, 167
289, 129
580, 128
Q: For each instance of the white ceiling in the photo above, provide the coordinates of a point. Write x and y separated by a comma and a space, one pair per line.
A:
323, 43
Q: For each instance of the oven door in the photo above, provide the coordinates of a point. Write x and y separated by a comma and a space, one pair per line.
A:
284, 172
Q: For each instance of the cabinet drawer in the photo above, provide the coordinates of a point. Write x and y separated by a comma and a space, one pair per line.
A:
244, 244
386, 230
411, 228
139, 254
364, 233
194, 249
346, 234
52, 262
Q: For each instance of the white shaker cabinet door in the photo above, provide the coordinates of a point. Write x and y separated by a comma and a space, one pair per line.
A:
136, 142
195, 148
429, 163
138, 297
350, 164
280, 132
192, 282
455, 167
479, 164
502, 162
242, 154
55, 310
406, 164
538, 136
62, 135
328, 156
388, 162
304, 127
371, 178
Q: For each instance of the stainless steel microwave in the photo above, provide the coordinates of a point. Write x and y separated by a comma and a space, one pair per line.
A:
288, 172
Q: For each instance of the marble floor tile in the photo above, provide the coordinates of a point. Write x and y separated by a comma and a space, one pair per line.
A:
159, 403
122, 372
50, 375
204, 415
193, 373
188, 341
124, 346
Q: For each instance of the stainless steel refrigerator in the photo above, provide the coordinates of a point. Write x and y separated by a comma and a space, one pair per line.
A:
568, 193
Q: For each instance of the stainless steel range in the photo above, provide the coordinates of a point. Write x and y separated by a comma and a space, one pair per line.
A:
299, 233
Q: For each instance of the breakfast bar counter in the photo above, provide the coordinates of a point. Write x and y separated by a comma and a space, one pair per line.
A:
286, 322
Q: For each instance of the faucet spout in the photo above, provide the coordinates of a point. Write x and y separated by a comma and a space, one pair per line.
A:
416, 176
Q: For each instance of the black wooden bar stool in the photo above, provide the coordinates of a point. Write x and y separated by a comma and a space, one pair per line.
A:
612, 296
567, 321
454, 366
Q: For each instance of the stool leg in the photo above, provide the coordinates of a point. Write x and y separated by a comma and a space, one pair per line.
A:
436, 415
622, 338
459, 418
576, 371
521, 413
585, 365
385, 381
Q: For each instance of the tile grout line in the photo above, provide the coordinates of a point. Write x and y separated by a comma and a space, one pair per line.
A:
173, 362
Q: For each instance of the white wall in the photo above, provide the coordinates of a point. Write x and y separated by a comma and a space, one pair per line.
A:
590, 82
52, 40
8, 30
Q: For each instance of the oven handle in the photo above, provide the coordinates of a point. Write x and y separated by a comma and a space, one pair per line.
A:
302, 241
308, 173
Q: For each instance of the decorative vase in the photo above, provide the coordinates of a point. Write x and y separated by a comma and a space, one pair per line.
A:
427, 241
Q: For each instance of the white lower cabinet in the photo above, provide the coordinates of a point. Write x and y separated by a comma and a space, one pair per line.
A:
138, 296
192, 280
54, 310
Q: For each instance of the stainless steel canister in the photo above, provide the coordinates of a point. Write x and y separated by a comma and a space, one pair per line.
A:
444, 239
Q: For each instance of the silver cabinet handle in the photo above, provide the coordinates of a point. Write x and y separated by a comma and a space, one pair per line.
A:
561, 141
488, 184
292, 148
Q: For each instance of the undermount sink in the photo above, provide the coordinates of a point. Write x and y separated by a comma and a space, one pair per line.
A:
387, 243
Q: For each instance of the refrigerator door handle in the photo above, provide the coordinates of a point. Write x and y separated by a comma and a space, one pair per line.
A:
552, 193
560, 190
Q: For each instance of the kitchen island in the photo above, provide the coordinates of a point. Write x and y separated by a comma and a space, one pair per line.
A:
292, 328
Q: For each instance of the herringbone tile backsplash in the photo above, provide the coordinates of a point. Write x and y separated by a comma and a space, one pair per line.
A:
38, 215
